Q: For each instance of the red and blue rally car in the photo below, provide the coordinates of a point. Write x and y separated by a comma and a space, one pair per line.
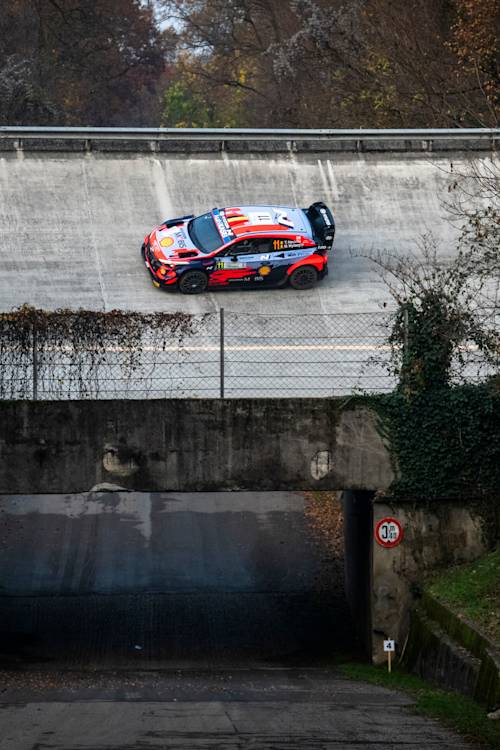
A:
249, 246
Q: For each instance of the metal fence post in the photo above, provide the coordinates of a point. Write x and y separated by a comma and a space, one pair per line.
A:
34, 360
221, 351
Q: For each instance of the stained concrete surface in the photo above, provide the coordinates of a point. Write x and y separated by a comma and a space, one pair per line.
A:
138, 580
190, 445
279, 709
71, 225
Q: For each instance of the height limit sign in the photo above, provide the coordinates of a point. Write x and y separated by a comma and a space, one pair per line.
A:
388, 532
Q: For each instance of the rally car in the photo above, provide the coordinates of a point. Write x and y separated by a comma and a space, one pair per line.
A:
249, 246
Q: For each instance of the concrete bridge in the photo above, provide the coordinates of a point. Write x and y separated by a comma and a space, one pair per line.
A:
80, 552
198, 508
194, 445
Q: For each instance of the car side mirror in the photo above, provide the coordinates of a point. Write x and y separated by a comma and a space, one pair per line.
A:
233, 258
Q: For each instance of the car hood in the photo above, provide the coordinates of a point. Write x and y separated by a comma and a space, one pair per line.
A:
173, 243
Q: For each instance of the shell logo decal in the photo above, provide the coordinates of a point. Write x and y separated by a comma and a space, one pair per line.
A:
264, 270
167, 242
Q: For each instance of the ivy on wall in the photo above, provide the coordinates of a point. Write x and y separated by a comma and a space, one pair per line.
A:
445, 442
443, 432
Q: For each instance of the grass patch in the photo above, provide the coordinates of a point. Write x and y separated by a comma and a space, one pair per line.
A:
473, 590
455, 711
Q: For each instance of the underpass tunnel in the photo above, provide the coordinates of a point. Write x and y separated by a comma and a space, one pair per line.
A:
114, 579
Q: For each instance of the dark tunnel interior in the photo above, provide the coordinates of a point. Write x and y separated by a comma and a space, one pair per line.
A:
157, 580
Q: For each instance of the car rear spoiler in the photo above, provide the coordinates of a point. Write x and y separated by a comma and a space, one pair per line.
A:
172, 222
322, 223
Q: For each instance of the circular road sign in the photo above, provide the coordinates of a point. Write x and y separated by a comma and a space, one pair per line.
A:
388, 532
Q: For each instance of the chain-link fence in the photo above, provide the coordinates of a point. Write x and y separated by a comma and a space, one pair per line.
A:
222, 354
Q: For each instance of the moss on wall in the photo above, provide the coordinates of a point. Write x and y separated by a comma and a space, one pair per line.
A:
432, 625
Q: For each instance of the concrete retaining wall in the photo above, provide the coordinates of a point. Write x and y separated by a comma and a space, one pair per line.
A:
448, 649
190, 445
446, 535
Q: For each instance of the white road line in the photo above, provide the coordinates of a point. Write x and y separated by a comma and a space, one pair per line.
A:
275, 347
235, 348
248, 348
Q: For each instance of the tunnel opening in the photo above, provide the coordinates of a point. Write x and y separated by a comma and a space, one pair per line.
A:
132, 580
358, 535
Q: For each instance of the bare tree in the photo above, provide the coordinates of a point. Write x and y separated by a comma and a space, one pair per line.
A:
441, 328
474, 205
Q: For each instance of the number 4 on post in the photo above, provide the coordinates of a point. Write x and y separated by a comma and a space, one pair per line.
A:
389, 647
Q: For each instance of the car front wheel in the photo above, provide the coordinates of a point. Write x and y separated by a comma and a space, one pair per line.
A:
304, 277
193, 282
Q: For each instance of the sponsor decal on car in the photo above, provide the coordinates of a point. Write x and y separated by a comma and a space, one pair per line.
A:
283, 219
325, 216
181, 242
261, 217
285, 244
222, 225
229, 264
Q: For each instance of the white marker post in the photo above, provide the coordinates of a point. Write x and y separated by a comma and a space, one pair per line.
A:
389, 647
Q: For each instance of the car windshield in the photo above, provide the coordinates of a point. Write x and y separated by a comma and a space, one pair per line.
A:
204, 234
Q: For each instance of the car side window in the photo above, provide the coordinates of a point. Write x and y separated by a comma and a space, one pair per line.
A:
250, 247
262, 245
240, 248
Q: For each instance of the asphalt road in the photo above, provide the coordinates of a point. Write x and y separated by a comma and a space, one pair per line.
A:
283, 709
71, 225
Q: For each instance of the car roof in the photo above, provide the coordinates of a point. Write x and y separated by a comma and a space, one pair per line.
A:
255, 219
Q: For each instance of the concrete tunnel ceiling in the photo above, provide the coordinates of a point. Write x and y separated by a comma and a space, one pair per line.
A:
71, 224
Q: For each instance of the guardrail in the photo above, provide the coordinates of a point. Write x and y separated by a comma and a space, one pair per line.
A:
220, 139
232, 134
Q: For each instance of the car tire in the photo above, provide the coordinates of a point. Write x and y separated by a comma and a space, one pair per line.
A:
193, 282
304, 277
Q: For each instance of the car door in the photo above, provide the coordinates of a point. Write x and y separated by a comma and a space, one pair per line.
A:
268, 259
239, 263
284, 252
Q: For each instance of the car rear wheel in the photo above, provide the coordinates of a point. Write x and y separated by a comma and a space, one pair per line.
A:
304, 277
193, 282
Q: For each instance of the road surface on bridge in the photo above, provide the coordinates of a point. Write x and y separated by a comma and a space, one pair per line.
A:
71, 225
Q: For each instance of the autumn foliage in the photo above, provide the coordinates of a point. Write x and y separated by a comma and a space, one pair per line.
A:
253, 63
333, 63
78, 62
